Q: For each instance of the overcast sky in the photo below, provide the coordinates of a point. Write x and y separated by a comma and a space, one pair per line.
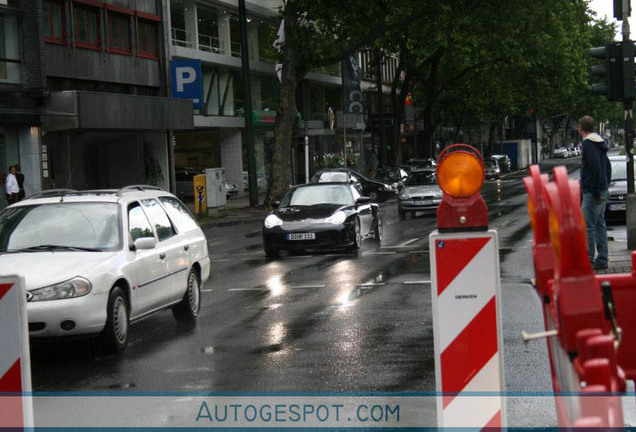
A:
605, 8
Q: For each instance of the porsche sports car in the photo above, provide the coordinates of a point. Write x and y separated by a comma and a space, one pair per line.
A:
321, 216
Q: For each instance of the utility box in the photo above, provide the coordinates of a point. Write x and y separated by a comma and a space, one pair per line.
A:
200, 194
215, 189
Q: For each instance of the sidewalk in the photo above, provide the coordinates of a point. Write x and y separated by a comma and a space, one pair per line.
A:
620, 258
237, 211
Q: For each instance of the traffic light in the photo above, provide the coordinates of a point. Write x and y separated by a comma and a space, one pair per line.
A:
609, 70
617, 71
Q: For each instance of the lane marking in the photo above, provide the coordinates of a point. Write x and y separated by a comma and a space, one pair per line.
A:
381, 253
371, 284
248, 289
220, 260
308, 286
407, 243
207, 290
417, 282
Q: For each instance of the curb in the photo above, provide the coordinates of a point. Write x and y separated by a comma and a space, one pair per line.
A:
226, 223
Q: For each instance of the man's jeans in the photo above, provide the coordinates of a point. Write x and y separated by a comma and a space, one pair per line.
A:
594, 213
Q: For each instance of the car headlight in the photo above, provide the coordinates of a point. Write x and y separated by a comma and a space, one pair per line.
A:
76, 287
439, 195
337, 218
404, 196
272, 221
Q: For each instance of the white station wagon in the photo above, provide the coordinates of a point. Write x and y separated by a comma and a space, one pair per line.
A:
95, 261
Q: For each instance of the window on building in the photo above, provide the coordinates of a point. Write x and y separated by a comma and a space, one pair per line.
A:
119, 33
55, 23
148, 39
9, 50
87, 29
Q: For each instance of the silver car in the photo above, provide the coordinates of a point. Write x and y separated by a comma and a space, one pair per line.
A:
94, 262
420, 193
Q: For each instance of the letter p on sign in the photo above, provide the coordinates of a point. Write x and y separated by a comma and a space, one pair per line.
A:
185, 75
187, 81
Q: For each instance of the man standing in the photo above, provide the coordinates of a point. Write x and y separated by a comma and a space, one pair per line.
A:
20, 178
11, 186
596, 172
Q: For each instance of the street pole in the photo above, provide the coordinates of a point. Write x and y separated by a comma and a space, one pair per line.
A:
630, 216
344, 145
381, 129
249, 127
306, 153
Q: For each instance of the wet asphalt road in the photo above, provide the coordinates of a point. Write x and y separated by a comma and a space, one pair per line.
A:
321, 322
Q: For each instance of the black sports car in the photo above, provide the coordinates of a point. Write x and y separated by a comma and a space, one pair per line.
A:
377, 191
321, 216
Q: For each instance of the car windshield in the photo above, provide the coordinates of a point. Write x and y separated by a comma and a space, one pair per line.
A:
421, 178
60, 226
317, 195
619, 170
489, 164
335, 176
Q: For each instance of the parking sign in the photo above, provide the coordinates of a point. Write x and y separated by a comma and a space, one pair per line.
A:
187, 81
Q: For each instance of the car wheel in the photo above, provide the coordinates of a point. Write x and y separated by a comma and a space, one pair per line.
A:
379, 229
357, 240
115, 334
188, 309
374, 196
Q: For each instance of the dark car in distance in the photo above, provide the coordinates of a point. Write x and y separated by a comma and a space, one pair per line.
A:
321, 216
393, 176
617, 201
377, 191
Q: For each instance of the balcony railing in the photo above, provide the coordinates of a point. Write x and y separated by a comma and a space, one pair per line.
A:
209, 44
181, 38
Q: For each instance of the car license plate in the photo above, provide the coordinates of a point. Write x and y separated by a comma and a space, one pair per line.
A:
423, 202
617, 207
301, 236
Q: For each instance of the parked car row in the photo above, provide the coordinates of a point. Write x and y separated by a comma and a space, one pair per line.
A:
567, 152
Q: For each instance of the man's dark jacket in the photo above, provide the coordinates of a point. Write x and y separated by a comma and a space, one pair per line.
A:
596, 170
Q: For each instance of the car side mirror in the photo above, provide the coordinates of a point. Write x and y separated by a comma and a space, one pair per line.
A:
275, 204
144, 243
363, 200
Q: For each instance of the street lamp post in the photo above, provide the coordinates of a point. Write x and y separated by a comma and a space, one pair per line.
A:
247, 95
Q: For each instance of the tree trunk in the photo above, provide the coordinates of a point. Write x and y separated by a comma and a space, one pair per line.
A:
492, 135
280, 173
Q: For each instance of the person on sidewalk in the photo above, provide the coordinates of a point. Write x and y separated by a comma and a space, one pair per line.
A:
596, 172
20, 178
11, 186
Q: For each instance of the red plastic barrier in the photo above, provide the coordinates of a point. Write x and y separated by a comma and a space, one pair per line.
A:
595, 348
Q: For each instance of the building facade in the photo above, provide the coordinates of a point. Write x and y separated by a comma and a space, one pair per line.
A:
84, 102
22, 90
209, 31
85, 99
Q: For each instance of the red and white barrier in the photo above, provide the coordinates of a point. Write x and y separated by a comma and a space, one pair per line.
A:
15, 371
467, 328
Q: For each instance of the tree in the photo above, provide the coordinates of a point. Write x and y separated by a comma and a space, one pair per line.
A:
321, 33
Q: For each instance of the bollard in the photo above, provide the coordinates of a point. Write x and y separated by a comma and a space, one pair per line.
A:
465, 291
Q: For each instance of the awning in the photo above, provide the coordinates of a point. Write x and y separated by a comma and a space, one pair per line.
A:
72, 110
